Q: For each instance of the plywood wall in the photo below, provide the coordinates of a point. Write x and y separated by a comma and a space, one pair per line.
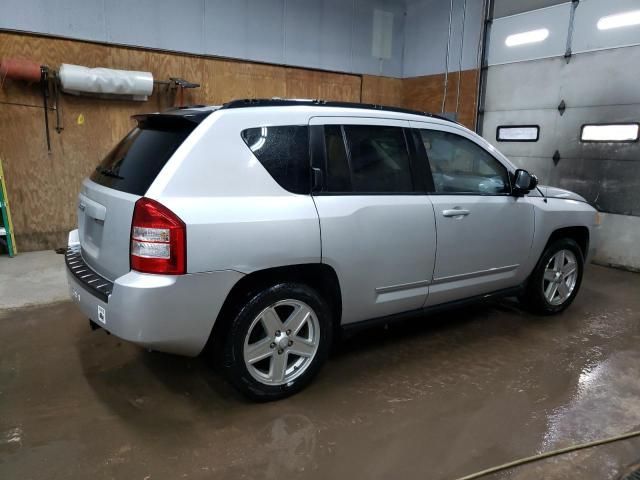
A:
426, 93
382, 90
43, 187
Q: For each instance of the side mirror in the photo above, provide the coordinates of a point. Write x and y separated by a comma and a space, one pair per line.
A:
524, 182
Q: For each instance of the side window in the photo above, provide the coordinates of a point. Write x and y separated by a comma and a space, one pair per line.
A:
284, 153
378, 159
460, 166
518, 133
610, 132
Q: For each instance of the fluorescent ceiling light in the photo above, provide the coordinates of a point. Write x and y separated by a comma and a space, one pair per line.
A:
532, 36
627, 132
618, 20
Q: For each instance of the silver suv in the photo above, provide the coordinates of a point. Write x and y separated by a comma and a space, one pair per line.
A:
262, 227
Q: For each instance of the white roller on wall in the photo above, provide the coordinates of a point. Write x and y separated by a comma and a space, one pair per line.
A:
105, 81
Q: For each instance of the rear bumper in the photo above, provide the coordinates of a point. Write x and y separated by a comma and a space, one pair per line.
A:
167, 313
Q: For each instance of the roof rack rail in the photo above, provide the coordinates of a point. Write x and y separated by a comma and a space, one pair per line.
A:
187, 107
288, 102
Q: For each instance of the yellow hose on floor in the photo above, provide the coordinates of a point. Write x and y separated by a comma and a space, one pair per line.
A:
535, 458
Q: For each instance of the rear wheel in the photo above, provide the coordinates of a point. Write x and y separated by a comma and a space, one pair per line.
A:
277, 342
555, 282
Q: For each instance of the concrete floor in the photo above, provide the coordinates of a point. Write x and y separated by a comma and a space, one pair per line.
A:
432, 399
32, 278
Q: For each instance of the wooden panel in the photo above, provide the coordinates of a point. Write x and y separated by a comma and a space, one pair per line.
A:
43, 187
425, 93
466, 106
227, 80
382, 90
322, 85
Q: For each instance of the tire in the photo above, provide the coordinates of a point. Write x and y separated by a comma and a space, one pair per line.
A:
540, 295
264, 359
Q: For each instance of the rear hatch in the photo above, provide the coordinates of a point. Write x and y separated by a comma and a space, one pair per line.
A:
107, 199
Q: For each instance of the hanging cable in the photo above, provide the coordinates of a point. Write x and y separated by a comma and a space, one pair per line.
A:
464, 15
481, 36
446, 64
554, 453
487, 14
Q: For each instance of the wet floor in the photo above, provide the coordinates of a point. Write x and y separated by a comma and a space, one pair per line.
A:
435, 398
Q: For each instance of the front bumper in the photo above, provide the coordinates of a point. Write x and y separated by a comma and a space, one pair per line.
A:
167, 313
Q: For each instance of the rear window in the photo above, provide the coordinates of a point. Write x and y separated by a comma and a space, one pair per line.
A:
284, 153
134, 163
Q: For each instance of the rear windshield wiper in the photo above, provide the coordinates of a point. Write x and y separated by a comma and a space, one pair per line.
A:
109, 173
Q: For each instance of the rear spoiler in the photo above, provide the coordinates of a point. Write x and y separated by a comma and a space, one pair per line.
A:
179, 118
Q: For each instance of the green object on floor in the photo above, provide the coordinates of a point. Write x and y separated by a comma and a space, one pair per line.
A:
6, 227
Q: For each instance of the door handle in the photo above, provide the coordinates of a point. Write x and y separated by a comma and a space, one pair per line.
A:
455, 212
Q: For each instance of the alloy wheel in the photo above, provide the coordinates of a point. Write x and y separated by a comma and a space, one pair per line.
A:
560, 277
281, 342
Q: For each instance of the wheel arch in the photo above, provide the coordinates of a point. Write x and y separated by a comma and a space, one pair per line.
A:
532, 296
579, 234
319, 276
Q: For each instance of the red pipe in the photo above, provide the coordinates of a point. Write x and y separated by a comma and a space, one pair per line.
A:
20, 69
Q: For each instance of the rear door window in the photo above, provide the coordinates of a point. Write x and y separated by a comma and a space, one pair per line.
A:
375, 160
379, 159
135, 162
284, 152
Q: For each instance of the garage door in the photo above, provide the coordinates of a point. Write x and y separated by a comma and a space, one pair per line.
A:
562, 100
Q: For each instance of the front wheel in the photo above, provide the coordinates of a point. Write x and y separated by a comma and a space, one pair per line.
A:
277, 342
555, 282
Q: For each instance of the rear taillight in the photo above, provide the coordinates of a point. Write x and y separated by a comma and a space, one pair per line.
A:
158, 239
